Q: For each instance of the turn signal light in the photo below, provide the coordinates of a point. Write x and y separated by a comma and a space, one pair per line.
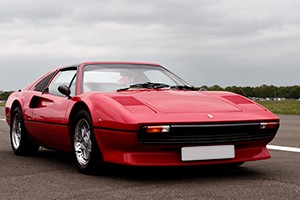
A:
158, 129
269, 125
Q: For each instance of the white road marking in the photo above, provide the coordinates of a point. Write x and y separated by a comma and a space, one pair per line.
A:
3, 120
282, 148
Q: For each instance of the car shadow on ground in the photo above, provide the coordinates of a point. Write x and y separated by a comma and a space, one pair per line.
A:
177, 173
154, 173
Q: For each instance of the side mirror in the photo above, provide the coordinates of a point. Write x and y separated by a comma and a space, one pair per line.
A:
65, 90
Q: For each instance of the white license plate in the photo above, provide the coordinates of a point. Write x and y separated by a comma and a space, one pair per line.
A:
207, 152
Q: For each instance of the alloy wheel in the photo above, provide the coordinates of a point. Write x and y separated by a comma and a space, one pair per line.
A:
83, 142
16, 131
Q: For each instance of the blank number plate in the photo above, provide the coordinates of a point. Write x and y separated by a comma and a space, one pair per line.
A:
207, 153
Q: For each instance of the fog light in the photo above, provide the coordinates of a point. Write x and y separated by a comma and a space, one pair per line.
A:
268, 125
158, 129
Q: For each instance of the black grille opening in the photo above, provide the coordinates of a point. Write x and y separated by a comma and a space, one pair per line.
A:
208, 134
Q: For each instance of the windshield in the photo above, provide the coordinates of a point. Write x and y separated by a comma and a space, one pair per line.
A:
113, 77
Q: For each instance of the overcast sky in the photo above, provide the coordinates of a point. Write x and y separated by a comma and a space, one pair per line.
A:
206, 42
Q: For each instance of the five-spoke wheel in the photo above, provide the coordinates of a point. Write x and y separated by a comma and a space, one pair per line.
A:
85, 149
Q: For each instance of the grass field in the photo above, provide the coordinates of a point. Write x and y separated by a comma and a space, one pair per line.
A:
287, 107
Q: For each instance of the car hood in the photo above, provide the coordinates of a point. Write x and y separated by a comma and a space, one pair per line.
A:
175, 101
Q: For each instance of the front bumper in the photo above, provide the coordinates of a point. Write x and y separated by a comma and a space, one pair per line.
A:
123, 148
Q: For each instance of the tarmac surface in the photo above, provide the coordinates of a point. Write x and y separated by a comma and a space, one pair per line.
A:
52, 175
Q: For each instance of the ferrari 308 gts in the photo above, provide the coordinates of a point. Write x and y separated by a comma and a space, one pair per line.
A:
136, 114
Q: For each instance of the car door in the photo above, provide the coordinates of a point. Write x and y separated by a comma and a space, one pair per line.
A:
48, 114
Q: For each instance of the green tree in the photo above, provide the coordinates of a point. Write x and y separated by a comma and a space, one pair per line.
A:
235, 89
294, 92
4, 95
263, 91
216, 88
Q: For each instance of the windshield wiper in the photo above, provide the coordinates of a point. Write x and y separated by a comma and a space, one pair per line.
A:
147, 85
183, 87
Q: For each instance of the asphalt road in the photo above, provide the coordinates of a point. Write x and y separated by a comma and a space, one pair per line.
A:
52, 175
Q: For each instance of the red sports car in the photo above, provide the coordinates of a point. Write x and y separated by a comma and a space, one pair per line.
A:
136, 114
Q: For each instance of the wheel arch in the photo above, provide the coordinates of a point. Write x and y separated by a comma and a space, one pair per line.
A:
76, 108
14, 105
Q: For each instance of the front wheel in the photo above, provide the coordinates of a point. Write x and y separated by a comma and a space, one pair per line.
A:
234, 165
86, 152
20, 142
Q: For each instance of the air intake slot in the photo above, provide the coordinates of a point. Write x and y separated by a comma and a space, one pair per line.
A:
237, 99
128, 101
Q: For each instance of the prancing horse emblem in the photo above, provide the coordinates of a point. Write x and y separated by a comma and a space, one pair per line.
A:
210, 116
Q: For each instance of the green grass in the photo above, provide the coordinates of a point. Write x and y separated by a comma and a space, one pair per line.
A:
2, 104
287, 107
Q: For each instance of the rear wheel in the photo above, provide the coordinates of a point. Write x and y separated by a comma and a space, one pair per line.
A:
20, 142
86, 152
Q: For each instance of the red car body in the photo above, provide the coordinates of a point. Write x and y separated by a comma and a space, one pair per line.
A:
125, 121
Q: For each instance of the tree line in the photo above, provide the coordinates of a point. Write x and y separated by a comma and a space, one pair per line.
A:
263, 91
4, 95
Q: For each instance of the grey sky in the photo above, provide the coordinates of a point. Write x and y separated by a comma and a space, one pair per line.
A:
206, 42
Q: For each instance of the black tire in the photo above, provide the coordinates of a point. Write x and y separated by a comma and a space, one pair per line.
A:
238, 164
234, 165
86, 153
20, 142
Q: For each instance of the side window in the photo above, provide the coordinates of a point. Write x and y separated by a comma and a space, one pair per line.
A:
43, 83
66, 77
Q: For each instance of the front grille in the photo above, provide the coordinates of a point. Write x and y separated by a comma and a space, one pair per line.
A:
208, 134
